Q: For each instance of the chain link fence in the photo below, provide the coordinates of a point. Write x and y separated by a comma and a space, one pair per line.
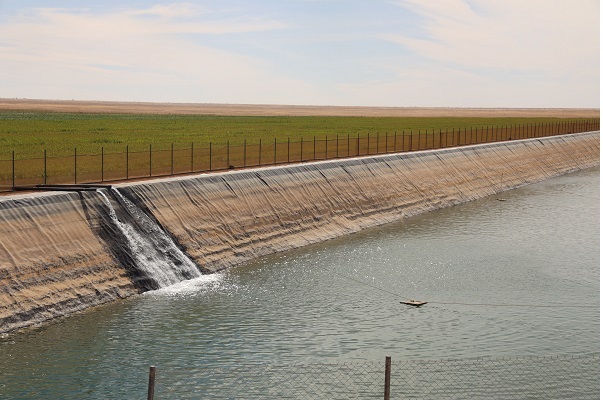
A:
81, 168
518, 378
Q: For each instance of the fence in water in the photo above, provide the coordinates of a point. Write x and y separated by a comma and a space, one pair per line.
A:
103, 167
518, 378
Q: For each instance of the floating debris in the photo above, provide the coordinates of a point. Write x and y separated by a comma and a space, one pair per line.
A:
501, 199
416, 303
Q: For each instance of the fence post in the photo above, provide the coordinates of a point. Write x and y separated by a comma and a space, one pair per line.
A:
172, 168
314, 147
301, 149
102, 164
151, 390
150, 160
13, 170
228, 154
348, 145
244, 153
127, 161
75, 165
388, 373
337, 145
192, 157
45, 168
274, 150
288, 149
209, 156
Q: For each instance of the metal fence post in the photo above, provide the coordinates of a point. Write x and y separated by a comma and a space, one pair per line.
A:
13, 170
348, 154
151, 390
127, 161
75, 165
45, 168
388, 373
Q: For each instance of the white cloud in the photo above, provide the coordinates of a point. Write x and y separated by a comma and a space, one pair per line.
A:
511, 53
170, 10
535, 35
125, 55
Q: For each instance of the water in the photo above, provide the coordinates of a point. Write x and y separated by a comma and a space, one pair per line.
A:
519, 265
151, 251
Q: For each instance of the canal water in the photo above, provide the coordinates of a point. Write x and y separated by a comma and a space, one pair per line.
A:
514, 274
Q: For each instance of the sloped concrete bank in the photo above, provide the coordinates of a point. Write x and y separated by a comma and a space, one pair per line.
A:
61, 252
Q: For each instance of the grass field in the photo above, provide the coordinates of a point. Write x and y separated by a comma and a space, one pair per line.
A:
29, 134
74, 147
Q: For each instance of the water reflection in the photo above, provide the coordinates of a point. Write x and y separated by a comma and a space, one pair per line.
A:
340, 301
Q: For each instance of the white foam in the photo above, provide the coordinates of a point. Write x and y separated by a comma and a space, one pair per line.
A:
190, 287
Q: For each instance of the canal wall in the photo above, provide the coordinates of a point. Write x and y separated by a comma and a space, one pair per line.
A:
62, 252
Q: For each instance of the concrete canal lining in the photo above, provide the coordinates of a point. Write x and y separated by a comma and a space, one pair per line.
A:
60, 253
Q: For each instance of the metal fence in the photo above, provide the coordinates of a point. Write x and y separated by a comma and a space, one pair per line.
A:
103, 167
551, 377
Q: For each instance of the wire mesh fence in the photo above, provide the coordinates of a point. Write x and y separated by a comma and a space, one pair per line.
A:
80, 168
552, 377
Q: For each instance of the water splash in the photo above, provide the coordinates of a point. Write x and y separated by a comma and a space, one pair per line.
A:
153, 252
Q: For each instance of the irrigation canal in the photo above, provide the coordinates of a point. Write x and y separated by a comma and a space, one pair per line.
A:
525, 263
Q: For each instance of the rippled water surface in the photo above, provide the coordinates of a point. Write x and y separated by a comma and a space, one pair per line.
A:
509, 275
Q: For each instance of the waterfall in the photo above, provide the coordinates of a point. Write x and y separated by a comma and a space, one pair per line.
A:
152, 251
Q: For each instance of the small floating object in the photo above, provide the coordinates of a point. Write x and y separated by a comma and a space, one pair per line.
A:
416, 303
501, 199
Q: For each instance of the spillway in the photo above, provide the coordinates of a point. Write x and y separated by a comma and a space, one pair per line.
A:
62, 252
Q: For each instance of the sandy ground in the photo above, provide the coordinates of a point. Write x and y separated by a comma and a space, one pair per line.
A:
285, 110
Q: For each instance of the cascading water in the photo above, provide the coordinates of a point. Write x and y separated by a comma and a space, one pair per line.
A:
152, 250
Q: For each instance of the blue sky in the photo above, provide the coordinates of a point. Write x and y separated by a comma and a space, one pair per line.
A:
441, 53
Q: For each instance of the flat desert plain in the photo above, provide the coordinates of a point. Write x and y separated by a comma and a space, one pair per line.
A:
285, 110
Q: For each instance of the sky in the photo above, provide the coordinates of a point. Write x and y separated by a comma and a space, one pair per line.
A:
397, 53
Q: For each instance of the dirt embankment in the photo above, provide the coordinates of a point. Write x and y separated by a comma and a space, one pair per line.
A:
286, 110
59, 253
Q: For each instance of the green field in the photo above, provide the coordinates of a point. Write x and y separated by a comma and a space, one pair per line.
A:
29, 134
